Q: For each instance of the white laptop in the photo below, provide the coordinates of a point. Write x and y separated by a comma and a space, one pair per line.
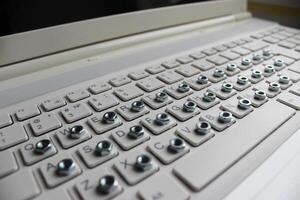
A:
146, 100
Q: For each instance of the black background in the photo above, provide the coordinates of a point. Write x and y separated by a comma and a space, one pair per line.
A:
24, 15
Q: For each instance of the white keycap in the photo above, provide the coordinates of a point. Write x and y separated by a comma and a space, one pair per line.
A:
230, 55
119, 81
187, 71
25, 184
170, 64
241, 51
162, 188
155, 69
150, 84
77, 95
8, 163
12, 135
99, 126
217, 60
54, 103
128, 92
5, 120
27, 112
185, 59
103, 101
99, 87
75, 112
255, 46
137, 75
203, 65
197, 55
169, 77
44, 123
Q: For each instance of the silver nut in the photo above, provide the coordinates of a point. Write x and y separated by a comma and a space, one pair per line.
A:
161, 97
65, 167
274, 87
260, 95
231, 67
242, 80
278, 62
162, 119
107, 184
43, 146
76, 132
244, 104
202, 79
143, 163
104, 148
176, 145
137, 106
110, 117
246, 62
202, 128
183, 87
225, 117
227, 87
136, 132
284, 79
218, 73
267, 52
269, 69
209, 96
256, 57
189, 106
256, 74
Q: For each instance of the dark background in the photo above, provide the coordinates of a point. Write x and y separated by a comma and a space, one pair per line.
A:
24, 15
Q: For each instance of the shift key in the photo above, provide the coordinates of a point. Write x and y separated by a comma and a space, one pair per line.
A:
210, 161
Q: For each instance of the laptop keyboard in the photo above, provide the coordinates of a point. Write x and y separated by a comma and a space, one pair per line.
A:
152, 129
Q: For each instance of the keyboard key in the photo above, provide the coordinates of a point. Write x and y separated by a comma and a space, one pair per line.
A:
174, 91
59, 170
137, 75
167, 153
8, 163
126, 112
230, 55
151, 101
230, 44
132, 172
178, 111
65, 138
295, 77
233, 107
213, 119
271, 40
279, 36
197, 55
209, 52
220, 48
150, 84
185, 59
128, 92
256, 102
54, 103
210, 162
5, 120
217, 60
75, 112
187, 71
169, 77
27, 112
241, 51
54, 194
31, 155
286, 52
286, 44
119, 81
295, 90
88, 187
151, 124
77, 95
12, 135
100, 126
255, 46
189, 134
99, 87
155, 69
170, 64
290, 100
203, 65
103, 101
195, 84
218, 90
203, 104
162, 188
44, 123
91, 157
127, 142
24, 183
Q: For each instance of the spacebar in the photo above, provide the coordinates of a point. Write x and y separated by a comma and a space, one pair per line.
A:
214, 157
